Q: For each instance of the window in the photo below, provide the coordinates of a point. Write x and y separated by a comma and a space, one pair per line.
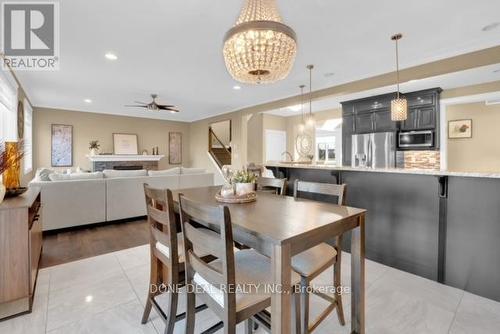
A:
28, 137
329, 141
8, 106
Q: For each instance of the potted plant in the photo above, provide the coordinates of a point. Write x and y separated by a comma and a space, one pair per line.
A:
10, 157
94, 147
244, 182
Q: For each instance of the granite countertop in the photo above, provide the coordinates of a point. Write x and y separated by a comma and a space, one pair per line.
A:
385, 170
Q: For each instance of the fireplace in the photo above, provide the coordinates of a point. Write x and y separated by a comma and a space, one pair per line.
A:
128, 167
124, 162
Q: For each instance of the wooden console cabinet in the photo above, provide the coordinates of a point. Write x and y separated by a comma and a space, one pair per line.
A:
20, 249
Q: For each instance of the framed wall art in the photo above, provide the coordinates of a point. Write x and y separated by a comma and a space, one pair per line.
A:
175, 148
61, 145
461, 128
125, 144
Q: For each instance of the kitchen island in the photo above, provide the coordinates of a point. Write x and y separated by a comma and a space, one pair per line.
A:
441, 225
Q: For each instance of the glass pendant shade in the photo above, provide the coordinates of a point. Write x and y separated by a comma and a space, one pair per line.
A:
259, 48
399, 106
399, 109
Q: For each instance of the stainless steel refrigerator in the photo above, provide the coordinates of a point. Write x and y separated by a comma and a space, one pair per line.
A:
374, 150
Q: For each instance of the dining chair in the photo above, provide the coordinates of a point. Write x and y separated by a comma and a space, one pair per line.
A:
275, 185
167, 261
309, 264
221, 284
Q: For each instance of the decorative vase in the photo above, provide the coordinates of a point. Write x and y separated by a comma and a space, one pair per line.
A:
244, 188
227, 190
11, 179
2, 192
93, 152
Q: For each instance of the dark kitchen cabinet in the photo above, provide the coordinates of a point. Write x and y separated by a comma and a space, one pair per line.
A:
348, 124
383, 122
347, 131
364, 123
422, 99
426, 118
373, 114
411, 121
421, 119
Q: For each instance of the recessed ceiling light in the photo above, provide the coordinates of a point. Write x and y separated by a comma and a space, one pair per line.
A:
491, 26
328, 74
496, 71
87, 101
111, 56
297, 107
236, 87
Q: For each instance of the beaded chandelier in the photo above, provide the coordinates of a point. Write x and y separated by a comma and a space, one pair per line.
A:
259, 48
399, 105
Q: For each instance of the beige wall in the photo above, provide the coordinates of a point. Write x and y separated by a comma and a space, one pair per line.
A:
91, 126
255, 134
222, 130
482, 151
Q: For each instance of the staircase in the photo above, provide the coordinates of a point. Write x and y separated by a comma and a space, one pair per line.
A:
219, 152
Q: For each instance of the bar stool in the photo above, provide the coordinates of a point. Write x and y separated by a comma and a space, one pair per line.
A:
219, 283
312, 262
167, 262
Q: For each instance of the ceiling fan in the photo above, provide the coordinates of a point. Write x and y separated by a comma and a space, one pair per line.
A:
154, 106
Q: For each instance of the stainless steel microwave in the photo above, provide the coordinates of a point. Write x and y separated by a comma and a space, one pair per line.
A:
416, 139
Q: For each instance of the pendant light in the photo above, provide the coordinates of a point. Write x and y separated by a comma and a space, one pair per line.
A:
259, 48
399, 106
310, 118
302, 125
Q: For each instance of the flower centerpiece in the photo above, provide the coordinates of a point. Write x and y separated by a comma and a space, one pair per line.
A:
94, 147
244, 182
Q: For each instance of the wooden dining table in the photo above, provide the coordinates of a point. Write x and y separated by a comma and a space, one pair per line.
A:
281, 227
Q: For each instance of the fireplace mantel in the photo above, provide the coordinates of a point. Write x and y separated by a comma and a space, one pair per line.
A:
111, 161
114, 157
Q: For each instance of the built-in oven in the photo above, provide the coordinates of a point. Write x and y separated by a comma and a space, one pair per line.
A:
409, 140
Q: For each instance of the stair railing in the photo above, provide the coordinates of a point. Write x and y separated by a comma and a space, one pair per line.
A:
211, 137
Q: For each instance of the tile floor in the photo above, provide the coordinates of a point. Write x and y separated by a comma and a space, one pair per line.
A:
106, 294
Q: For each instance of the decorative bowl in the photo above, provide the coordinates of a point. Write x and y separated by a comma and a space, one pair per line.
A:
235, 199
14, 192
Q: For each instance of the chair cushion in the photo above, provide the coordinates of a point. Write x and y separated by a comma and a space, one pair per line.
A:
310, 261
165, 250
253, 274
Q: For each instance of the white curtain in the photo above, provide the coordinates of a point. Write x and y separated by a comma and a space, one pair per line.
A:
8, 106
28, 137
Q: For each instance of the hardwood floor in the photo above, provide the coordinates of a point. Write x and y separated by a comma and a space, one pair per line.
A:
91, 241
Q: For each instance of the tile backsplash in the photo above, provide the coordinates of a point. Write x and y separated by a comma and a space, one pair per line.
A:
419, 159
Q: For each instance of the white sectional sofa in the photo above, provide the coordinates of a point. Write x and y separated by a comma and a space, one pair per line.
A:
114, 195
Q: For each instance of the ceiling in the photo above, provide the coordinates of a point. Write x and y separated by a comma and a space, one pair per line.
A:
173, 48
470, 77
